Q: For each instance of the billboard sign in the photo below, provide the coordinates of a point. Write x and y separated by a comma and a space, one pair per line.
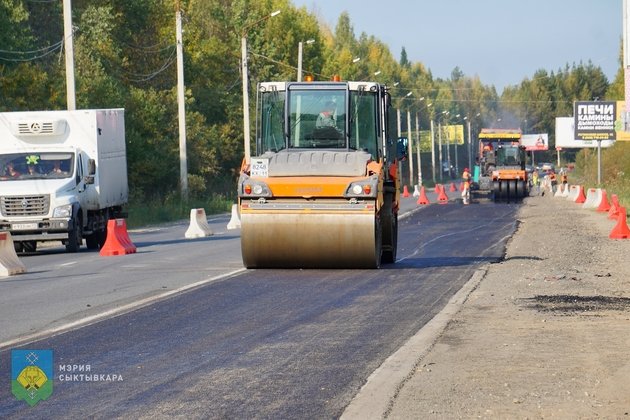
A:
621, 134
565, 135
534, 142
595, 120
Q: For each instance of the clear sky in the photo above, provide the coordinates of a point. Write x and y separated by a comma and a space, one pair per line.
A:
501, 41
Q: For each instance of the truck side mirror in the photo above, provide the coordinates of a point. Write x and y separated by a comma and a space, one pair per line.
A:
89, 179
91, 167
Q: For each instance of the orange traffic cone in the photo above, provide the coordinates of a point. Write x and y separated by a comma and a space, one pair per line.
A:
405, 192
442, 197
613, 213
452, 188
423, 199
581, 198
620, 231
604, 205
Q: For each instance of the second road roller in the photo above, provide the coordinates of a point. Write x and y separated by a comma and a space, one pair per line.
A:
502, 162
321, 189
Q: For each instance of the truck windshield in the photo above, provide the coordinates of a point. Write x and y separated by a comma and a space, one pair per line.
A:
21, 166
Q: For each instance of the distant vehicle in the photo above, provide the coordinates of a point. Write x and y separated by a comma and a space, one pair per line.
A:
66, 176
546, 166
501, 166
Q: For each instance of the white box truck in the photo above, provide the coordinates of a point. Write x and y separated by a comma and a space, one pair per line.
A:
63, 175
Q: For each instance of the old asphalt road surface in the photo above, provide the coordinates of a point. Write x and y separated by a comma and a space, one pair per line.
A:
544, 333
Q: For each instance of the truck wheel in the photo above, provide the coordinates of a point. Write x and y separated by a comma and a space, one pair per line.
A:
75, 237
96, 240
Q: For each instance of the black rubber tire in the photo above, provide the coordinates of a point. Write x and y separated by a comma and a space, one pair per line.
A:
75, 238
91, 241
389, 252
18, 246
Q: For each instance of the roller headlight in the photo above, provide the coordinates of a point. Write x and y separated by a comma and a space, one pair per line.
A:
254, 188
364, 188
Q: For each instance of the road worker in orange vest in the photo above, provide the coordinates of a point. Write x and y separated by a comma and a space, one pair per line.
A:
467, 179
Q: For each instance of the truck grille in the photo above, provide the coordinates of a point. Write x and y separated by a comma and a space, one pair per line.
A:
29, 205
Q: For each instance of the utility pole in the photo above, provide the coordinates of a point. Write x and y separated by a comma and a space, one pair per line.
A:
626, 63
300, 48
410, 148
469, 146
440, 149
68, 44
419, 152
433, 150
181, 104
245, 75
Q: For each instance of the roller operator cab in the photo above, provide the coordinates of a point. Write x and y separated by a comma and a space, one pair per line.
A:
502, 161
321, 190
63, 174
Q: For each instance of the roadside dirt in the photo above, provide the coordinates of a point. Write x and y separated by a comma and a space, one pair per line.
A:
546, 334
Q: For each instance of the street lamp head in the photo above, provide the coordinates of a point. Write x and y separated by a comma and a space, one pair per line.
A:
310, 41
396, 83
421, 98
376, 73
356, 60
247, 27
409, 94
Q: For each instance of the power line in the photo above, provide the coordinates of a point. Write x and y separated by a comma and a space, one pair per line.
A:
46, 51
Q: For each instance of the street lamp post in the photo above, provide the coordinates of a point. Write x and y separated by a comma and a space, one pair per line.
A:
245, 74
300, 53
410, 140
419, 151
469, 142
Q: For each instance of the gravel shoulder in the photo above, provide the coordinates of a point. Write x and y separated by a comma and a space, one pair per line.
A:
545, 333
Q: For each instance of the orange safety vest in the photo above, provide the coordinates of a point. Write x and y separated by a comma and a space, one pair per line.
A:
466, 177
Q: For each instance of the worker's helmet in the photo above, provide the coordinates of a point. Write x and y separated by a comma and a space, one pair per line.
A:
466, 169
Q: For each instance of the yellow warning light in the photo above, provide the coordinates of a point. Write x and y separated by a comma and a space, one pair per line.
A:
336, 78
308, 78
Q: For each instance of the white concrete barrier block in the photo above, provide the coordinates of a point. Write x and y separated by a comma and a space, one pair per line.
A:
10, 264
574, 191
593, 197
235, 220
198, 225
